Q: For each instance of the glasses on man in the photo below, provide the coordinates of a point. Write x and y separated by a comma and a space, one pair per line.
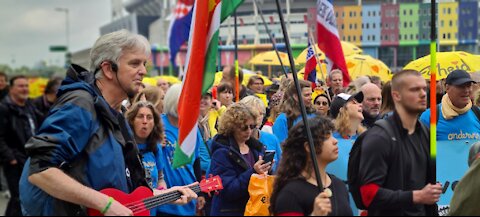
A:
245, 127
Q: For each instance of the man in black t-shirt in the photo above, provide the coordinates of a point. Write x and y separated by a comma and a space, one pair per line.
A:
394, 169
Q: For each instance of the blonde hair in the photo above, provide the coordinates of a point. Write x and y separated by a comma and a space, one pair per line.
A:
343, 123
152, 94
235, 116
255, 104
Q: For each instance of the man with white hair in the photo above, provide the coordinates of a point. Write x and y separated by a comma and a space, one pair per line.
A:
85, 144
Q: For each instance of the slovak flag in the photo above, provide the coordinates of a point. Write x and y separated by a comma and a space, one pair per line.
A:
328, 39
179, 30
310, 67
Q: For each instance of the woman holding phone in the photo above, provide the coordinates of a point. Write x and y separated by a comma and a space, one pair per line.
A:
236, 155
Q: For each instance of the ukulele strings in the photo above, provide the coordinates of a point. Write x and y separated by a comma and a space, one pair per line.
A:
146, 204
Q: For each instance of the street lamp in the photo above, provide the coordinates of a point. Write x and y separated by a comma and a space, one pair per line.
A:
66, 23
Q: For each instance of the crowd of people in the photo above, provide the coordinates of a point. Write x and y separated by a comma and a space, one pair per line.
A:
101, 128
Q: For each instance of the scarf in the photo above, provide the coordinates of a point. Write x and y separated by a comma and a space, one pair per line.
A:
449, 111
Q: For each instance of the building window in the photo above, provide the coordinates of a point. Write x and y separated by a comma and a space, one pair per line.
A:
449, 10
450, 23
343, 26
374, 26
368, 13
374, 13
373, 37
392, 38
411, 36
411, 12
399, 37
368, 26
411, 24
441, 23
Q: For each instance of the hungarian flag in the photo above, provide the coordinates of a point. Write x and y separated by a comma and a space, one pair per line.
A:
200, 68
328, 39
179, 27
310, 67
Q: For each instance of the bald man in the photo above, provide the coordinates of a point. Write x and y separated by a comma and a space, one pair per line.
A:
371, 104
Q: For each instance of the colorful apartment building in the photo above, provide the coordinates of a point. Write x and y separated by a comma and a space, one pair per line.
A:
398, 32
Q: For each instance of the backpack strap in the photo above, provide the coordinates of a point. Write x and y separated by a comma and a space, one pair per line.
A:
476, 110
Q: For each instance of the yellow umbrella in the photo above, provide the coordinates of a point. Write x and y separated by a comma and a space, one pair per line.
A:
36, 86
446, 63
246, 76
348, 49
270, 58
150, 81
360, 65
170, 79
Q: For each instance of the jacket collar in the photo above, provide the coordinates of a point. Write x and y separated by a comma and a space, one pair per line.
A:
399, 123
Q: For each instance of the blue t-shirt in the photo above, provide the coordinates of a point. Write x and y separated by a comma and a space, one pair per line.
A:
339, 167
280, 127
152, 163
180, 176
463, 127
271, 143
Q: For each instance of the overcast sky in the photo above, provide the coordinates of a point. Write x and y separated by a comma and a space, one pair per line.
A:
29, 27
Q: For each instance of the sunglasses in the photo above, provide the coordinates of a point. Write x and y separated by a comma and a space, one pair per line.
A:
245, 127
321, 103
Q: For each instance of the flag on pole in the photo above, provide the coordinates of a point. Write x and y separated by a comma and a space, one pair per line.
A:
328, 39
310, 67
200, 68
179, 29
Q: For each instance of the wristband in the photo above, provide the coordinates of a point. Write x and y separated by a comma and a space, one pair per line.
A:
110, 201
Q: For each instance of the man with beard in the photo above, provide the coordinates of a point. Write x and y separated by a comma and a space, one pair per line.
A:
371, 104
18, 122
394, 173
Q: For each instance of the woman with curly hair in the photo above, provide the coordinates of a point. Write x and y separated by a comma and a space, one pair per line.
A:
145, 122
290, 108
295, 190
236, 155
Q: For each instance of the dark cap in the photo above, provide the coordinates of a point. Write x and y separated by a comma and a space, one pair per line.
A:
341, 100
459, 77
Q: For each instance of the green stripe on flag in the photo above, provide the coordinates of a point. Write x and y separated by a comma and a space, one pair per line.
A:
211, 63
228, 7
180, 158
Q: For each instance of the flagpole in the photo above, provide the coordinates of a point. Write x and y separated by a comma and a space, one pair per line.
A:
270, 37
313, 44
433, 95
237, 80
313, 154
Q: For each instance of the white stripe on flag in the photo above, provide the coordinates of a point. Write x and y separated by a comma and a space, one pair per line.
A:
189, 143
215, 23
326, 16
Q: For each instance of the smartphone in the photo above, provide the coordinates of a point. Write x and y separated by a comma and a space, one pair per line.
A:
268, 157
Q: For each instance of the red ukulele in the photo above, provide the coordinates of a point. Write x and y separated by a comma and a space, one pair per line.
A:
142, 200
